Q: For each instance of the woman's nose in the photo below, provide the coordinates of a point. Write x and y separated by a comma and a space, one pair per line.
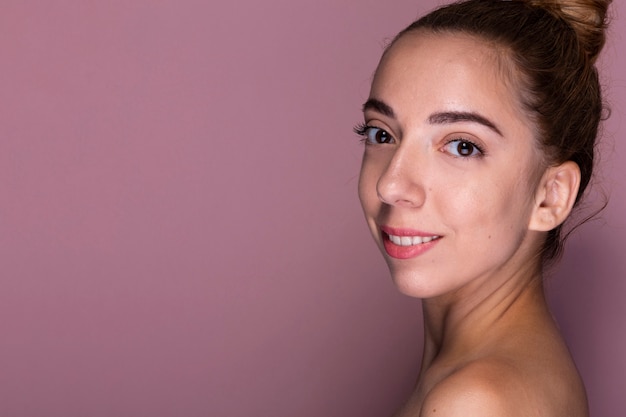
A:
401, 183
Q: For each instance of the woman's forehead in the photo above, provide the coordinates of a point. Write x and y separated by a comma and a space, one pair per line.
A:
419, 63
415, 48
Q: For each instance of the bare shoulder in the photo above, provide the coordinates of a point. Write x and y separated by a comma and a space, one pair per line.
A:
498, 387
482, 388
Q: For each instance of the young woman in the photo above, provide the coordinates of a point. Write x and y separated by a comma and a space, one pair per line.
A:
479, 139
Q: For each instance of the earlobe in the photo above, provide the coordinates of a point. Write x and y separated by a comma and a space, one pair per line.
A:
555, 196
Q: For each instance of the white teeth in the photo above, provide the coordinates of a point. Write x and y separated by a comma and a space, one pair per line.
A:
411, 240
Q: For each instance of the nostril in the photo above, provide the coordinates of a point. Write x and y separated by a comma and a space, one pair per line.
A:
406, 194
400, 183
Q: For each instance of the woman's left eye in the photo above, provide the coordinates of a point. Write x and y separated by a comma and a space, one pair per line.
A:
463, 148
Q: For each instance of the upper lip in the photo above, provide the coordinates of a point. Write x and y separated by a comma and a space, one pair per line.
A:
397, 231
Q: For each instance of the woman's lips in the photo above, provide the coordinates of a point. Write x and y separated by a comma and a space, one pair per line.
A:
407, 243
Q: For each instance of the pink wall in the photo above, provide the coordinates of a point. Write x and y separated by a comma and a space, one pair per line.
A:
179, 227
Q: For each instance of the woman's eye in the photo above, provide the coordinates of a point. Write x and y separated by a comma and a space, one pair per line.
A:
463, 148
377, 135
374, 135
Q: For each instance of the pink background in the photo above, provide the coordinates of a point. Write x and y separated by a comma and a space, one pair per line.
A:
179, 227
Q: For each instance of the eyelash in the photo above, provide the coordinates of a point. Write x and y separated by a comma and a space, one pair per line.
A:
362, 129
464, 140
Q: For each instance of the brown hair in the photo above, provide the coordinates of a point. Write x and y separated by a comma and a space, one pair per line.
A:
553, 45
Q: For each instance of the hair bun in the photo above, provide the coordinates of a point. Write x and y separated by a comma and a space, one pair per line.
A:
588, 18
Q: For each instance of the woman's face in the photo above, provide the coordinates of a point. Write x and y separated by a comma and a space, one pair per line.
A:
450, 167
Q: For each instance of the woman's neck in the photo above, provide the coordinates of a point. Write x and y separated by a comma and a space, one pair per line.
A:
468, 321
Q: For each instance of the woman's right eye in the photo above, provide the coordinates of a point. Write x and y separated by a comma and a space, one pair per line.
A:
374, 135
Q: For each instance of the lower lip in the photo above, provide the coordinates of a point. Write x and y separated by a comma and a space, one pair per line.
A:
406, 252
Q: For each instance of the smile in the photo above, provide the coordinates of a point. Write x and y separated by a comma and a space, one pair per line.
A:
401, 243
411, 240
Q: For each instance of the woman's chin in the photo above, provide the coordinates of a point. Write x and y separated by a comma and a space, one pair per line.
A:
412, 284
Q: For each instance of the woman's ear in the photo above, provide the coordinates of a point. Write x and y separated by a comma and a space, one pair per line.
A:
555, 196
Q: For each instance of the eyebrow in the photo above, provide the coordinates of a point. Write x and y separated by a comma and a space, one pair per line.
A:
455, 117
379, 106
439, 118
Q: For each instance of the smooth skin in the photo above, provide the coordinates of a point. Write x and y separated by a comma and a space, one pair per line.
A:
451, 154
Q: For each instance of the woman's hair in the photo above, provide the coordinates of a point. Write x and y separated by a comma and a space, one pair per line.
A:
553, 46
